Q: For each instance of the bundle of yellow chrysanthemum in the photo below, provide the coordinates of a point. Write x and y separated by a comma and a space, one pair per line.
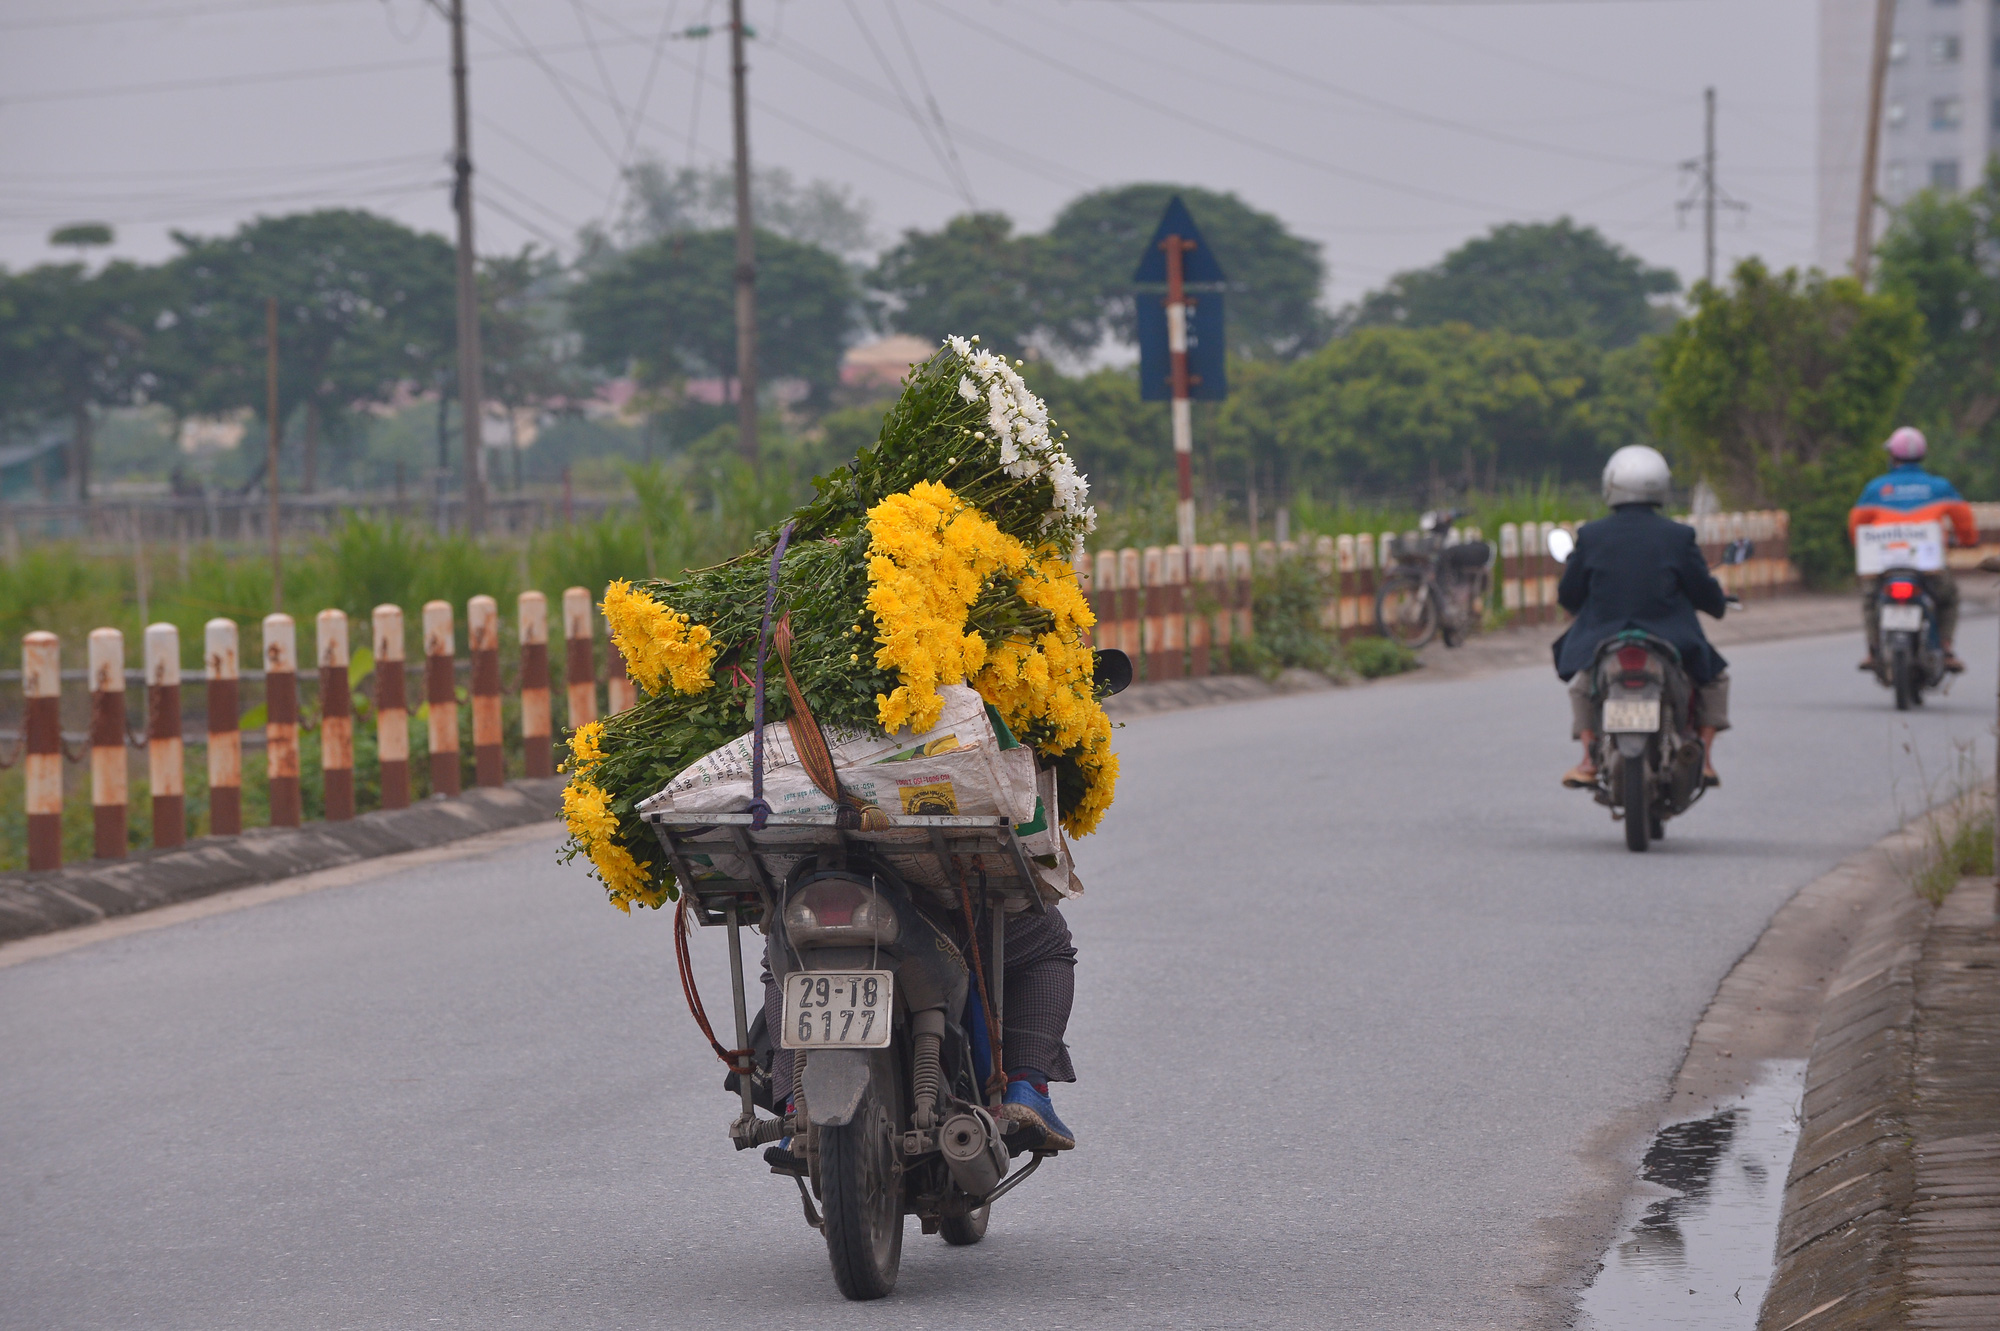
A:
940, 556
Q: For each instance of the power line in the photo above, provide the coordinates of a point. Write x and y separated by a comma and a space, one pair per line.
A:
74, 20
597, 58
1384, 106
923, 127
930, 98
1173, 112
527, 48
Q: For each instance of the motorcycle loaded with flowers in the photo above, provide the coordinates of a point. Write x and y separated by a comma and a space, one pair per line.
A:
870, 737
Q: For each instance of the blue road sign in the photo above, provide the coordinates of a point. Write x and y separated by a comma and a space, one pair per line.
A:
1208, 380
1198, 265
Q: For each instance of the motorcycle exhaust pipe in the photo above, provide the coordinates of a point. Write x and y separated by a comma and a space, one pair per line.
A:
973, 1151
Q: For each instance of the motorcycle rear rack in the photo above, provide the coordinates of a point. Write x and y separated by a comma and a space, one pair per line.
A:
1009, 879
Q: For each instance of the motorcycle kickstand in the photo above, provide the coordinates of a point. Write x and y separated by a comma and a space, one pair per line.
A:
805, 1200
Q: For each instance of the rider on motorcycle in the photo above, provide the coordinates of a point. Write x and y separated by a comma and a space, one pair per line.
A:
1908, 493
1638, 569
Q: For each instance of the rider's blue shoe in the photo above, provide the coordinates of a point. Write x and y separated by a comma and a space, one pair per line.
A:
1032, 1109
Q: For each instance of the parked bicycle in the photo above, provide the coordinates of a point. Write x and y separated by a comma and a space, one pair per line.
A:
1436, 588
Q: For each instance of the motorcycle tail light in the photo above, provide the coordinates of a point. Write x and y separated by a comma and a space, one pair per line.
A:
1631, 658
840, 910
1902, 591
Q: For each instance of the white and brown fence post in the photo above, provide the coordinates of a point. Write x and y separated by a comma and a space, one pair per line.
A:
41, 690
619, 695
281, 718
579, 669
441, 696
1244, 580
225, 736
108, 785
392, 707
482, 638
336, 716
1128, 606
1104, 598
1200, 612
537, 747
163, 734
1222, 622
1173, 612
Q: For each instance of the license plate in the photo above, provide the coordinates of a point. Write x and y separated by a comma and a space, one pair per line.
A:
838, 1009
1625, 716
1902, 618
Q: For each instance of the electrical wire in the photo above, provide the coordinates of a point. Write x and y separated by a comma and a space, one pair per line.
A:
930, 98
597, 58
75, 20
924, 128
1392, 109
1172, 112
561, 84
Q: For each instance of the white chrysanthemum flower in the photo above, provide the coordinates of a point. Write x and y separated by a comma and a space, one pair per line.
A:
959, 345
967, 389
985, 364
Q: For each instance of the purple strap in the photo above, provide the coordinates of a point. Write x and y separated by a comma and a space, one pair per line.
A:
759, 810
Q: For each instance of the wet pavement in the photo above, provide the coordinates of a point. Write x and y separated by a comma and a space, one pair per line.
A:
1696, 1246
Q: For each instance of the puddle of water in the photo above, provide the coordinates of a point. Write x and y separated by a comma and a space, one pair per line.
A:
1701, 1229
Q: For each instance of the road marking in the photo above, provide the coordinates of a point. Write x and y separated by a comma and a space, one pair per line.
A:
346, 875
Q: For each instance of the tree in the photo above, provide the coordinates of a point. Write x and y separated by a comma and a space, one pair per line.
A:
662, 202
364, 304
1942, 254
1545, 279
973, 275
1778, 391
666, 310
1275, 277
1393, 410
521, 333
73, 342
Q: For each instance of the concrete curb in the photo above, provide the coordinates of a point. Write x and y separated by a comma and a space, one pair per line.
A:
1846, 1258
38, 903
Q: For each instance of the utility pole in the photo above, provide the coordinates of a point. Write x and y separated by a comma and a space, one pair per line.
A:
1707, 195
746, 249
271, 449
1878, 78
471, 396
1708, 190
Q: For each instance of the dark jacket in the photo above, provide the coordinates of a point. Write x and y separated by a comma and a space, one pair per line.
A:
1638, 570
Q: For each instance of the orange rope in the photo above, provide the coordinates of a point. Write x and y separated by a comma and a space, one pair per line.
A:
738, 1061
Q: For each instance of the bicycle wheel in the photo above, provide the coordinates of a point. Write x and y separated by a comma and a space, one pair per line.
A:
1405, 609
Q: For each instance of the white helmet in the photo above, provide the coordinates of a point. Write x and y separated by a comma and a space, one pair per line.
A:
1907, 444
1637, 474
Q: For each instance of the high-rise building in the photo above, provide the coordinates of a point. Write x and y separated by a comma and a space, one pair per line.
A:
1940, 109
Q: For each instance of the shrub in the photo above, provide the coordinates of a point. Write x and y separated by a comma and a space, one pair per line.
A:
1373, 658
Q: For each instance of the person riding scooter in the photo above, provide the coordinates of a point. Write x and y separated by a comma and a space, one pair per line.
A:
1908, 493
1639, 569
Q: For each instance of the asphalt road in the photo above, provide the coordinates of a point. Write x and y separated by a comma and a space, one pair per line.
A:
1362, 995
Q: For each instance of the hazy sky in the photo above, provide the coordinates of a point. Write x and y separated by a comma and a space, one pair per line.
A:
1387, 131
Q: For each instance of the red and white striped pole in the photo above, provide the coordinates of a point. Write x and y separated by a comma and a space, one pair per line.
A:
441, 695
281, 718
163, 734
41, 688
538, 759
482, 637
392, 708
1183, 412
579, 669
336, 716
107, 742
225, 735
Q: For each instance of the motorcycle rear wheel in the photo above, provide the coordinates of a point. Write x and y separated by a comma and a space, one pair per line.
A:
962, 1231
862, 1192
1903, 676
1405, 610
1638, 808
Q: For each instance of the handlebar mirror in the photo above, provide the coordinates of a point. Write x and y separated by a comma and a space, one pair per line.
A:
1561, 545
1113, 670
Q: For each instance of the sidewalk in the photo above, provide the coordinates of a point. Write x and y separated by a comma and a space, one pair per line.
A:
1892, 1207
